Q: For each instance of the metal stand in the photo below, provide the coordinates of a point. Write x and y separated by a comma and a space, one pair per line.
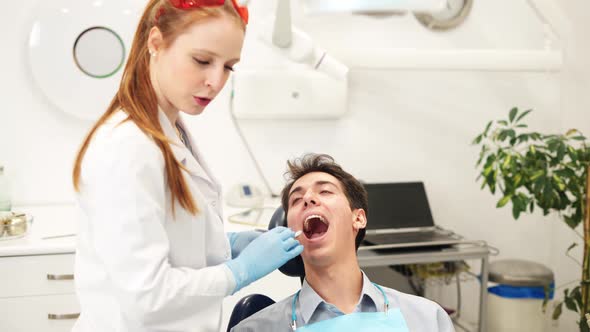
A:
472, 250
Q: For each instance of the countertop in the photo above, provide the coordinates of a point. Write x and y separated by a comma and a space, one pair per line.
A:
53, 228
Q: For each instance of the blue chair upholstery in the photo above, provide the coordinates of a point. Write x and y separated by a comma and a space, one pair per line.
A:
248, 306
253, 303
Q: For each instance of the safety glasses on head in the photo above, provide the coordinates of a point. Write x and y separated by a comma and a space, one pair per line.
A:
190, 4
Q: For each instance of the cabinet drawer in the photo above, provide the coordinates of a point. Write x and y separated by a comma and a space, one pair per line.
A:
26, 314
36, 275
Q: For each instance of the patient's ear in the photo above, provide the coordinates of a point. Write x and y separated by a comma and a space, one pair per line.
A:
360, 219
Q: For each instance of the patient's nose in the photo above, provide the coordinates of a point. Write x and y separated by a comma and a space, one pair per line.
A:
310, 199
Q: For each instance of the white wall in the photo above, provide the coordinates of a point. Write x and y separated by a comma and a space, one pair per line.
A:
401, 125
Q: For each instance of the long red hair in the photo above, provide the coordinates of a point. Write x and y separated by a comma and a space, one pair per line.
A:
136, 94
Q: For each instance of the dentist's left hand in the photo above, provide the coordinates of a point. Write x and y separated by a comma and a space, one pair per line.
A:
240, 240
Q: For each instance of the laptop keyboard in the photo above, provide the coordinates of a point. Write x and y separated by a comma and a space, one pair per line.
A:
394, 238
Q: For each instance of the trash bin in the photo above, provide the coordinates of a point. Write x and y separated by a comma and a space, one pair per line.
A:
516, 302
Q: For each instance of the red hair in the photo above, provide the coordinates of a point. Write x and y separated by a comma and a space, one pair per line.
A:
136, 95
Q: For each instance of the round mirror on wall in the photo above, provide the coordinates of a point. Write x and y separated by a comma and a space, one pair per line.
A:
77, 51
99, 52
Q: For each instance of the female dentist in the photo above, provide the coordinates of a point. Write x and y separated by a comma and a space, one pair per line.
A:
152, 254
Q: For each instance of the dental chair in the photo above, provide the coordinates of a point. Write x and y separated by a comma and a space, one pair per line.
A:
251, 304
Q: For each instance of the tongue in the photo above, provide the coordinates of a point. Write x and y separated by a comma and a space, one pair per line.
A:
316, 229
314, 235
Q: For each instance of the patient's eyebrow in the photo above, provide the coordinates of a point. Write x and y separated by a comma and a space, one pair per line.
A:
316, 184
298, 188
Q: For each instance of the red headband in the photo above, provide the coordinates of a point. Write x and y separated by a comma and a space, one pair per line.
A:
190, 4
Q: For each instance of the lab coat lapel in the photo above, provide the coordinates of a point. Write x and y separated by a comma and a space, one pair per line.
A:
202, 165
182, 153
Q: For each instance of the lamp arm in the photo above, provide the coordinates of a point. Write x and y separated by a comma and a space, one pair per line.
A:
282, 34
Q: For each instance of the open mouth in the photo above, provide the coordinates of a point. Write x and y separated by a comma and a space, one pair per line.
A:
202, 101
315, 226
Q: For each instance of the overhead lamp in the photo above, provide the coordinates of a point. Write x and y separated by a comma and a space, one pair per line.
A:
297, 45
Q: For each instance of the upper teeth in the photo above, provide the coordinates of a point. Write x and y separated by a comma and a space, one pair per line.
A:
312, 217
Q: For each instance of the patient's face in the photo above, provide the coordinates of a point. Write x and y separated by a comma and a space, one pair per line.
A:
319, 207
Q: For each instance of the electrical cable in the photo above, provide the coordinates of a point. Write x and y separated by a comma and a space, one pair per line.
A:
246, 145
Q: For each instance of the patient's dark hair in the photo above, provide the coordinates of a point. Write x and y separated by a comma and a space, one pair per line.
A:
355, 192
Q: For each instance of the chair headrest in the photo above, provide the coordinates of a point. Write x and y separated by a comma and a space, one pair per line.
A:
294, 267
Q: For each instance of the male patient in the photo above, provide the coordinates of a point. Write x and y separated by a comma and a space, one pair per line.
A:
329, 205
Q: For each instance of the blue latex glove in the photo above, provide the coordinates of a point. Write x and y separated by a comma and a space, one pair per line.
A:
265, 254
239, 241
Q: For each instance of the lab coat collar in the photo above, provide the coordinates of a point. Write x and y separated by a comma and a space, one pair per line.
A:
312, 300
193, 162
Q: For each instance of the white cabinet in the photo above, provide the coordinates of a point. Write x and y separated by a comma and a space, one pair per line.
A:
37, 293
31, 313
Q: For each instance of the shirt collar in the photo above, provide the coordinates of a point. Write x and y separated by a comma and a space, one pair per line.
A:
309, 300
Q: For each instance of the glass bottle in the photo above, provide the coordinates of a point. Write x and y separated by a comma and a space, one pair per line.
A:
5, 202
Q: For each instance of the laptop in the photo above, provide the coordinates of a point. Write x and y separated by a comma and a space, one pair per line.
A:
399, 216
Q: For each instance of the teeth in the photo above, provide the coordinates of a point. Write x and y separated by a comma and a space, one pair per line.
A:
306, 222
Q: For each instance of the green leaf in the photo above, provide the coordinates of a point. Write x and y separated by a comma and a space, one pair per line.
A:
517, 180
561, 149
565, 173
532, 149
477, 140
547, 193
517, 207
572, 153
523, 138
488, 170
503, 201
557, 311
532, 206
485, 132
513, 113
522, 126
503, 122
552, 145
579, 138
559, 182
537, 174
523, 114
576, 294
572, 246
507, 161
571, 222
571, 132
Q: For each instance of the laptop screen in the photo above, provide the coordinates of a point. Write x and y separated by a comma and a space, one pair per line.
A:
397, 205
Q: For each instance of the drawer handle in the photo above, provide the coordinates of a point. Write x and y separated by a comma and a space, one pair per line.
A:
60, 277
62, 317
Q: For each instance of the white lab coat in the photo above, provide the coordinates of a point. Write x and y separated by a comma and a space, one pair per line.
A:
138, 268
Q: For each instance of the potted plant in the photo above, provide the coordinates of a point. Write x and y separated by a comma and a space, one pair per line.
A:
547, 171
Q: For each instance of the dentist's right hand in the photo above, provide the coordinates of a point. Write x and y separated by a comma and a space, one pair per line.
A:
265, 254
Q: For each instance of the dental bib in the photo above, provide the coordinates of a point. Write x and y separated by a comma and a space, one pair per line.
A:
388, 320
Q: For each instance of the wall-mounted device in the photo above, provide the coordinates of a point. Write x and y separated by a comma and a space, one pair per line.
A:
288, 94
245, 195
